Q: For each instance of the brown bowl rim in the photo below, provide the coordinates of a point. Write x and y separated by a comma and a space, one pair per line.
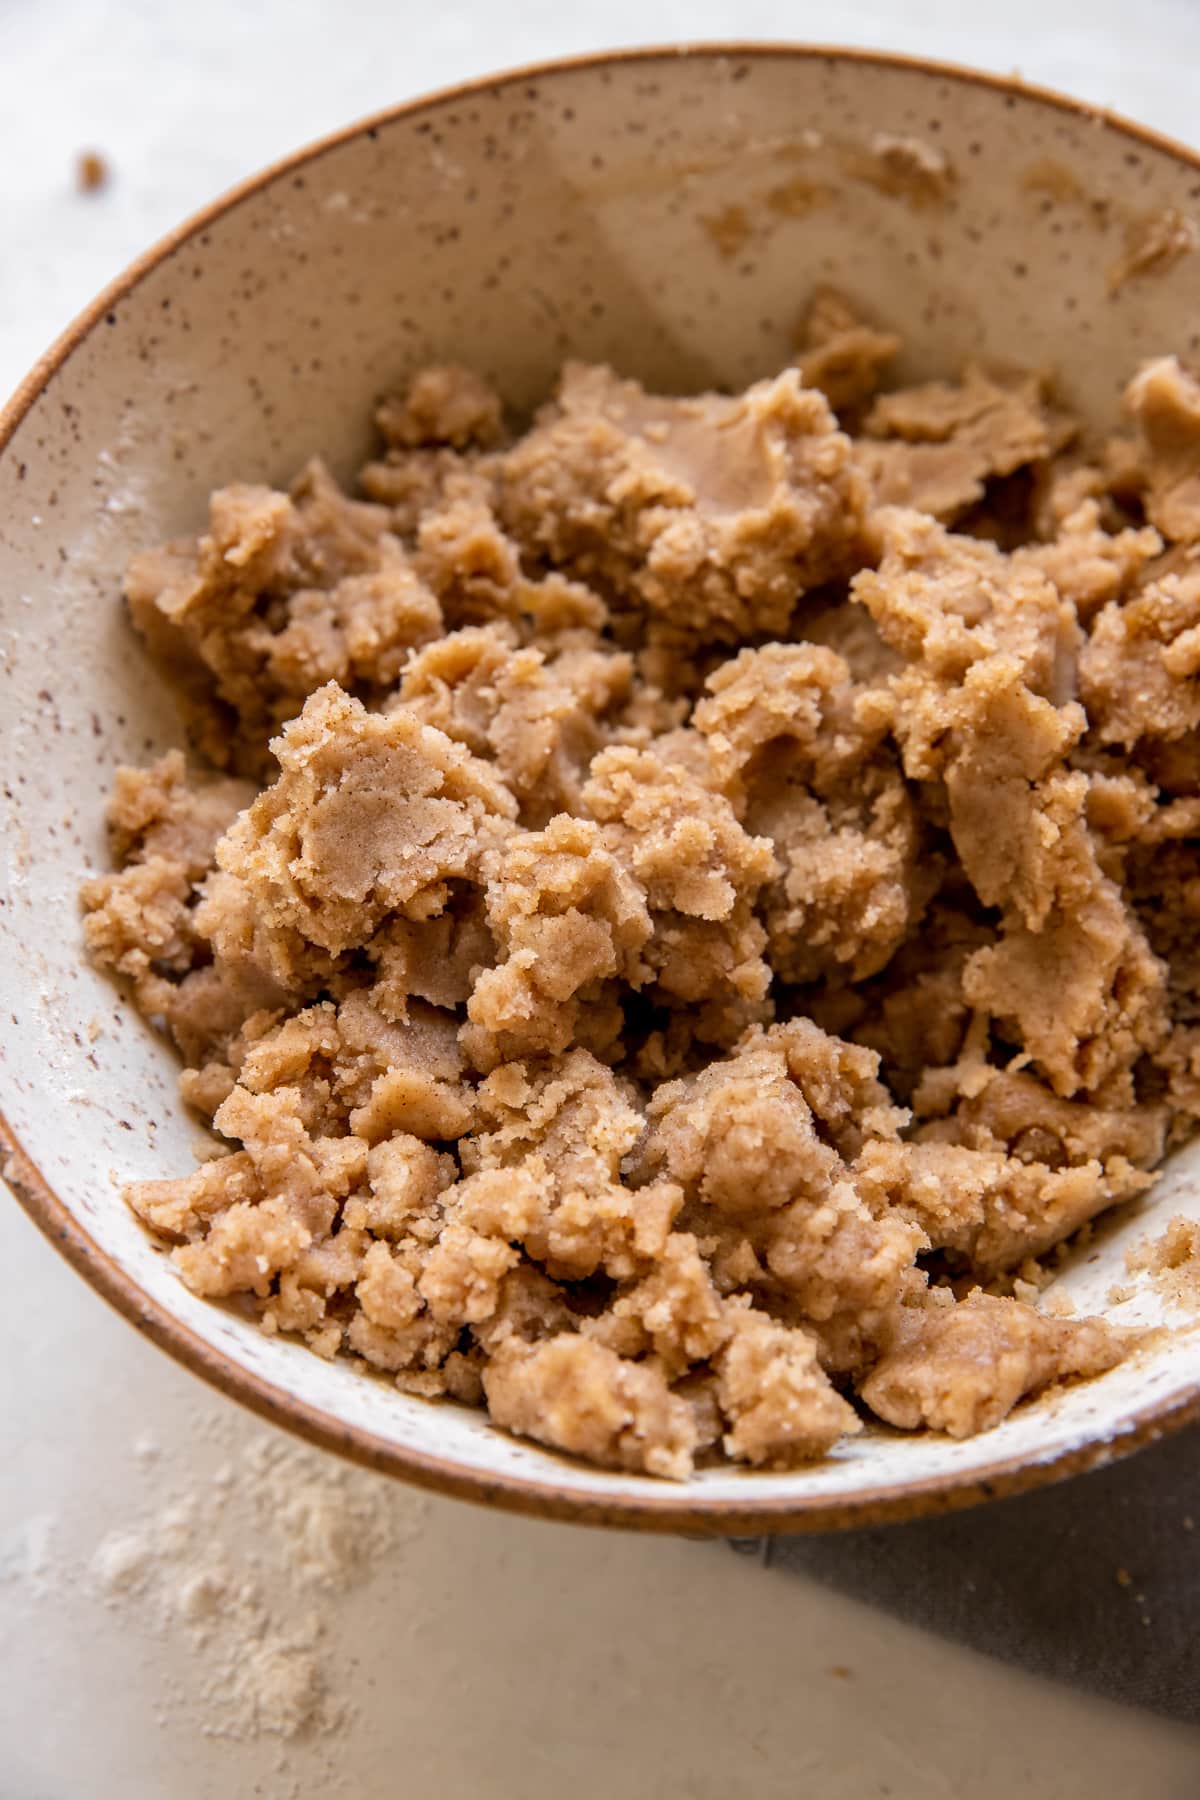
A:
673, 1509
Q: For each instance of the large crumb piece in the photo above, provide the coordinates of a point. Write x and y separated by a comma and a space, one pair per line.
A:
1089, 563
981, 704
372, 815
445, 404
962, 1368
713, 514
764, 1144
991, 1209
780, 1405
160, 812
541, 711
566, 1128
700, 872
566, 918
138, 921
1139, 671
575, 1395
841, 354
934, 447
668, 901
782, 731
283, 593
1164, 399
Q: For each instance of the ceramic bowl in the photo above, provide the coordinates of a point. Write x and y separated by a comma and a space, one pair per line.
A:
667, 211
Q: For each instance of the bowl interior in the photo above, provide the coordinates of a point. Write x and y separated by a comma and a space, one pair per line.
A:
668, 213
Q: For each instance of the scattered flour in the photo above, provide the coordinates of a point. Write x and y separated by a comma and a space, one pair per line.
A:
246, 1565
26, 1555
122, 1563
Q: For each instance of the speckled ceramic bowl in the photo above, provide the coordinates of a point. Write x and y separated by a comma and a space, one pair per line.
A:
668, 211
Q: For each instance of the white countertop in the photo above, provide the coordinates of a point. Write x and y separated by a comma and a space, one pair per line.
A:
469, 1654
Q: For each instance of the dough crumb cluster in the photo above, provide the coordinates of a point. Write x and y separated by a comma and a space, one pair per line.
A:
674, 911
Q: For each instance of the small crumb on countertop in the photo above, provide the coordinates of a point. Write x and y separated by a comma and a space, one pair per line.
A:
92, 171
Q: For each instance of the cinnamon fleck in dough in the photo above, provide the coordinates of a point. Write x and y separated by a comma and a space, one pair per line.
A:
668, 907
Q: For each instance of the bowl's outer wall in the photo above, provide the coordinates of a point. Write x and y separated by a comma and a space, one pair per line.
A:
668, 213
